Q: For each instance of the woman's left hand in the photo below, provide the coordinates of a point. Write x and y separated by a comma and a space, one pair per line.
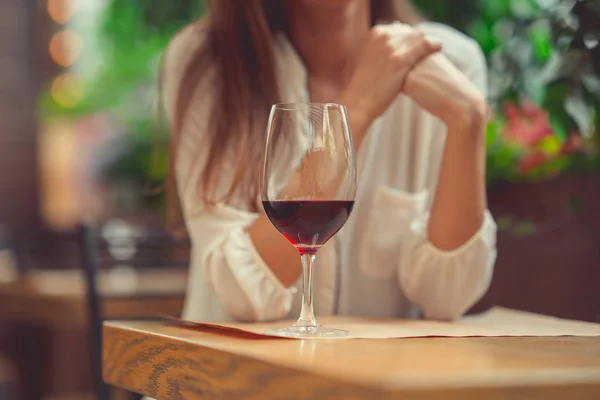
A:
440, 88
458, 207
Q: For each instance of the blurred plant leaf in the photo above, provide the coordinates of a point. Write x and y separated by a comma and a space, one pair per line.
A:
590, 40
482, 33
533, 88
591, 82
558, 128
492, 131
579, 110
547, 4
495, 9
563, 66
504, 30
523, 8
563, 17
551, 145
523, 228
552, 69
541, 39
520, 50
504, 222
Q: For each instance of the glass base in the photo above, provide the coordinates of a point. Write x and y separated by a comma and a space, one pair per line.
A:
307, 332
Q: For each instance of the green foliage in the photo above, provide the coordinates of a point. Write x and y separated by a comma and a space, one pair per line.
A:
132, 37
501, 157
544, 51
537, 50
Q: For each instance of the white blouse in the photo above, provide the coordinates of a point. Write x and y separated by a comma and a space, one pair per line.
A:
381, 263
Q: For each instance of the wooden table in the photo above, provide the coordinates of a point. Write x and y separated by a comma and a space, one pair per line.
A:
167, 361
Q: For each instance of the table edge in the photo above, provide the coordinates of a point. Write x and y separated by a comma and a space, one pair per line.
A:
529, 378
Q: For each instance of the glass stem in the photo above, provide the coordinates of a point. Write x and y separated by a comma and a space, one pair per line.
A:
307, 316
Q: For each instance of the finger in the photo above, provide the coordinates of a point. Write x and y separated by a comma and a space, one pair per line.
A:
402, 44
401, 29
420, 48
435, 44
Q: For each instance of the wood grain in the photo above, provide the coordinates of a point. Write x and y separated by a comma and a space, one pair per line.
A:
169, 362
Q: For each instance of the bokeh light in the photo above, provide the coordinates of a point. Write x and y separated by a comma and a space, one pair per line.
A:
67, 90
62, 11
65, 47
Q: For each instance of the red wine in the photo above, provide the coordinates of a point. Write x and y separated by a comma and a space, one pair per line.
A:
308, 224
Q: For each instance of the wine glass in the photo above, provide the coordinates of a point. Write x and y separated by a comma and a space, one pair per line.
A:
308, 186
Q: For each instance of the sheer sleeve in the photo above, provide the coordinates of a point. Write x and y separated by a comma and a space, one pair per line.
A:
444, 284
228, 278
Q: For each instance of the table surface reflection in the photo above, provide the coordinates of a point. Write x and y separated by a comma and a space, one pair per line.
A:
169, 361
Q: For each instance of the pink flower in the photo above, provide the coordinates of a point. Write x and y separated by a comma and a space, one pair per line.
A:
526, 125
573, 144
531, 110
530, 162
510, 110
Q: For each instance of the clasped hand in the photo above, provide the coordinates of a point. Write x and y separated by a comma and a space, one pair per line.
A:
396, 59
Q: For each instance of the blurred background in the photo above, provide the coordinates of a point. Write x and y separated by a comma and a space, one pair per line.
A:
80, 142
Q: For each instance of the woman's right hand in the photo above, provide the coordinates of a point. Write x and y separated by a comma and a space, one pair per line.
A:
390, 52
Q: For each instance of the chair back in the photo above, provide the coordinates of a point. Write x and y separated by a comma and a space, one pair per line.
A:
10, 262
8, 380
117, 247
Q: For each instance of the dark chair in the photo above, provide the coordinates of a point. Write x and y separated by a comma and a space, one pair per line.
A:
105, 250
9, 245
8, 373
8, 380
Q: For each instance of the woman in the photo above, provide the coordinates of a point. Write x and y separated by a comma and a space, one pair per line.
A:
419, 240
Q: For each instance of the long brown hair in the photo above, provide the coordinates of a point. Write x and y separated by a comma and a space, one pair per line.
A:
239, 45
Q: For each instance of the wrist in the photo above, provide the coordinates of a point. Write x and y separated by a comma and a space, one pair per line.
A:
469, 118
358, 115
